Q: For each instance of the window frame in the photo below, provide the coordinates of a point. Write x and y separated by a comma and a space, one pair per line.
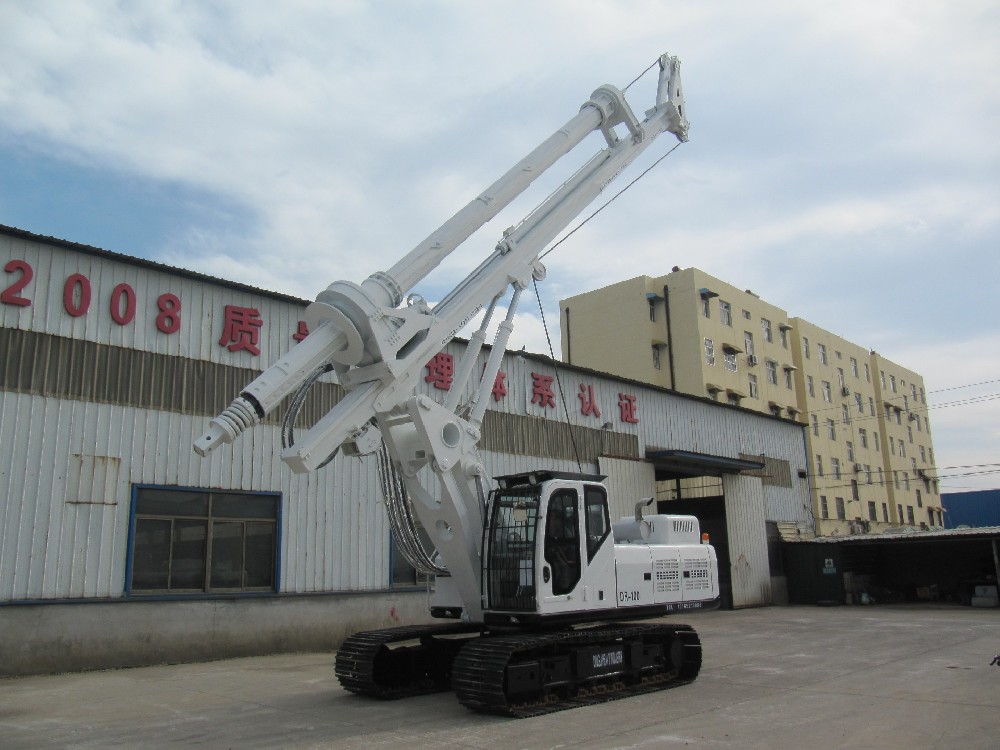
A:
725, 313
210, 520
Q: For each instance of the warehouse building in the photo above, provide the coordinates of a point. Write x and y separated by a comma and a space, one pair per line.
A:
119, 546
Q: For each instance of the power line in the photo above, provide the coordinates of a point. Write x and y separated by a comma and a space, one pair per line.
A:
968, 385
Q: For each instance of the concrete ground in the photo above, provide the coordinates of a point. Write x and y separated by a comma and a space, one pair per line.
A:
894, 676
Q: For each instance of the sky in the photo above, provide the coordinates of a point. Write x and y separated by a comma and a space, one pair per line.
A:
843, 162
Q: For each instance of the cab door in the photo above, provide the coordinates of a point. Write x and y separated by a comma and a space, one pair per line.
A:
561, 545
576, 551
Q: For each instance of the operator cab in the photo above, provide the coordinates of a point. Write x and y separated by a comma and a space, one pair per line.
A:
548, 548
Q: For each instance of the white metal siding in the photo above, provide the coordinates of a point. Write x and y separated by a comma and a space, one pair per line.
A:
750, 573
67, 478
68, 465
628, 482
202, 306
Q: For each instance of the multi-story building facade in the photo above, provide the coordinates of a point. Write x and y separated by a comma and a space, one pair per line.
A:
868, 438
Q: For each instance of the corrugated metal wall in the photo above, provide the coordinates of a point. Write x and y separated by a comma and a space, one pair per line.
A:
90, 407
67, 475
745, 515
628, 482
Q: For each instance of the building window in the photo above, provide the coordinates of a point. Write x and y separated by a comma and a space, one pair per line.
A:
920, 499
772, 371
859, 403
822, 353
733, 399
845, 413
815, 424
709, 352
783, 335
835, 467
748, 343
819, 465
811, 386
656, 357
753, 385
827, 393
909, 515
824, 506
189, 541
855, 493
871, 405
854, 372
872, 514
729, 358
892, 383
875, 443
885, 513
805, 347
868, 473
881, 377
706, 307
868, 373
841, 510
652, 308
850, 451
831, 429
765, 327
788, 379
725, 313
863, 437
746, 315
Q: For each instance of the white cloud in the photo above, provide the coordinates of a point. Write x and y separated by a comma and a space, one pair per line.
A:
843, 159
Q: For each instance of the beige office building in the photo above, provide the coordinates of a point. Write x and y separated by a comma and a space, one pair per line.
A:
868, 439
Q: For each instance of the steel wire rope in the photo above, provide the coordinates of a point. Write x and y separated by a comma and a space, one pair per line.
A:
538, 296
555, 369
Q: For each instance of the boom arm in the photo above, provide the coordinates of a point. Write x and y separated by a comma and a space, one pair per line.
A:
378, 346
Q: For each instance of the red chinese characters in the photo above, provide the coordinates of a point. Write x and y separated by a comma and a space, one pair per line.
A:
301, 331
441, 371
588, 404
541, 391
627, 407
500, 386
241, 330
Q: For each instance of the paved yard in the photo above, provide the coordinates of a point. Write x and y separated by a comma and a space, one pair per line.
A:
781, 677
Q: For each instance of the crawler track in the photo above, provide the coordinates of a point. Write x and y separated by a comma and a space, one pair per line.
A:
530, 674
399, 662
520, 674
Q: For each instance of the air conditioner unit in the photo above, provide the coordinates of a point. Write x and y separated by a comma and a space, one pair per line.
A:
911, 416
845, 391
751, 360
857, 468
